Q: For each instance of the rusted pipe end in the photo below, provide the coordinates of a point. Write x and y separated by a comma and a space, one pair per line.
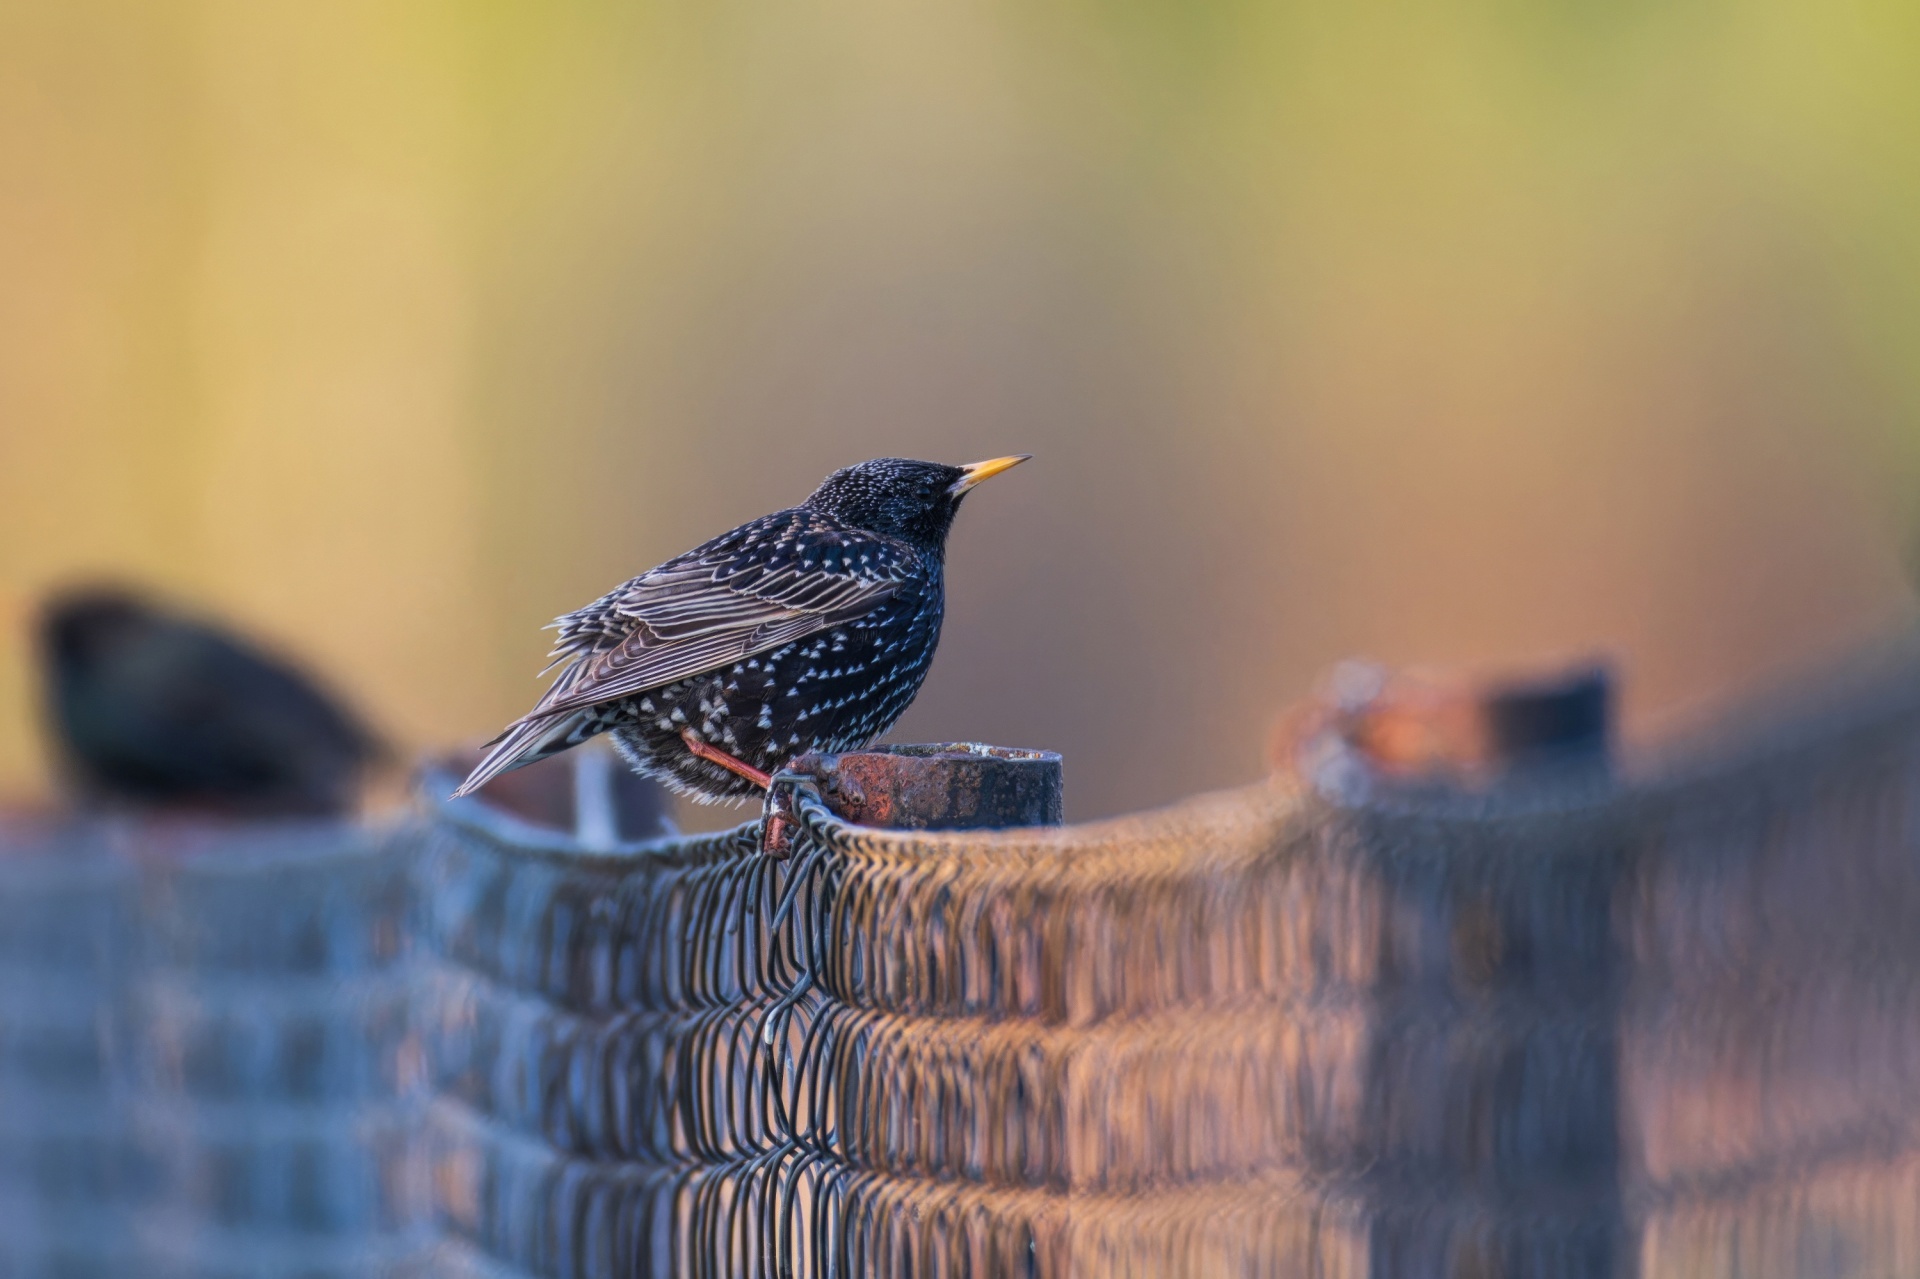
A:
1562, 720
934, 786
1448, 730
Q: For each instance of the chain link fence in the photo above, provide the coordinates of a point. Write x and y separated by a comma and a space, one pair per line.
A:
1665, 1026
209, 1057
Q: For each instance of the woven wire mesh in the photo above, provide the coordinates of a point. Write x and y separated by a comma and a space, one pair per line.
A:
1152, 1046
210, 1064
1770, 1038
1664, 1027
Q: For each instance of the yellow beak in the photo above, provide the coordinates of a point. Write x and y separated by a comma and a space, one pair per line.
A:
972, 475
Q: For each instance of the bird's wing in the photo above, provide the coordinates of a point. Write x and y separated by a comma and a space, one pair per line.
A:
763, 585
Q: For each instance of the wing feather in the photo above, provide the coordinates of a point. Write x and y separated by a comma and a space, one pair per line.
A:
764, 585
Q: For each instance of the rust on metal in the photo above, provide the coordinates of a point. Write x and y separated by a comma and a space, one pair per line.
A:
1414, 726
935, 786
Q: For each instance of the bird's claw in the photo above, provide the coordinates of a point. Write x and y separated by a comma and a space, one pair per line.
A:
842, 791
776, 830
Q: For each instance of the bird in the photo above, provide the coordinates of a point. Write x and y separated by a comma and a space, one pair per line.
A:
153, 709
810, 629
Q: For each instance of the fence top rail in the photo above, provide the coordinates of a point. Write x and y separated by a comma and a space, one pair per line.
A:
1783, 740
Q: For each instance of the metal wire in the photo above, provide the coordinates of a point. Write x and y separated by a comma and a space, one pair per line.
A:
210, 1062
1667, 1027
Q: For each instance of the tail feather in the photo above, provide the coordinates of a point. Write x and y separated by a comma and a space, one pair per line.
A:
528, 742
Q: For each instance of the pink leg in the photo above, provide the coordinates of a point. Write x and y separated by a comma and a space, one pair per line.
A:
714, 755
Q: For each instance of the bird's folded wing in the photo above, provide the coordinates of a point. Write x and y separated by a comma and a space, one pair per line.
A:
720, 604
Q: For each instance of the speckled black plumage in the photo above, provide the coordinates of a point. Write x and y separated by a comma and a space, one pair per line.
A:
155, 710
808, 629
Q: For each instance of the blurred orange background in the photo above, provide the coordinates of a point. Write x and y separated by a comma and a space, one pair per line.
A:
1465, 333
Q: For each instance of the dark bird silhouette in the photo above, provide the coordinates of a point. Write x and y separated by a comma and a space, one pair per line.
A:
155, 710
808, 629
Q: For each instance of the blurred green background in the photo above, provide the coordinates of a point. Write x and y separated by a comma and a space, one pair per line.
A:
1477, 333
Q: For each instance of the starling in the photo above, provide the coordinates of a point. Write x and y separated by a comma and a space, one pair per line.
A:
155, 710
808, 629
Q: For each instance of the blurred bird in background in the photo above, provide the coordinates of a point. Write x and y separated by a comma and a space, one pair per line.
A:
154, 710
808, 629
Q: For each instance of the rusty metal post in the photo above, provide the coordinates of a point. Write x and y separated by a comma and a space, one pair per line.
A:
1565, 721
1490, 1132
933, 786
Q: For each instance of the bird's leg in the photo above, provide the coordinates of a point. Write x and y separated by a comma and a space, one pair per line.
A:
714, 755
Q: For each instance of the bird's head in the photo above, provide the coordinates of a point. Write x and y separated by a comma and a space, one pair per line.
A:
85, 624
902, 498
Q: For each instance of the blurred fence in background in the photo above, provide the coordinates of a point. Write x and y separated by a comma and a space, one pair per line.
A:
1769, 1050
1663, 1026
209, 1063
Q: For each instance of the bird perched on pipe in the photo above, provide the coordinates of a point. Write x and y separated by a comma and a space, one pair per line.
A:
807, 629
154, 710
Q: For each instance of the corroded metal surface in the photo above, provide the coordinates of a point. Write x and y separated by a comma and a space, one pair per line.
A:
949, 786
939, 786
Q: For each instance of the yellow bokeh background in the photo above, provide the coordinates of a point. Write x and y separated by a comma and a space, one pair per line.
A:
1471, 333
